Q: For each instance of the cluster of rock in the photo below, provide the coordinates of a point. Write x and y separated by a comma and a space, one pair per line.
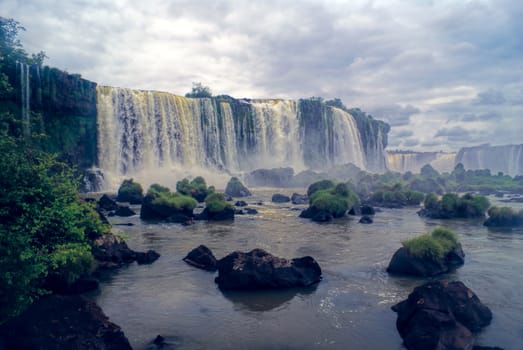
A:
256, 269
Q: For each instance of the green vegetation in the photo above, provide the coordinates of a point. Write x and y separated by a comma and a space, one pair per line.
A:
197, 188
504, 217
396, 196
199, 91
44, 227
326, 197
216, 202
432, 246
130, 191
161, 196
453, 206
235, 188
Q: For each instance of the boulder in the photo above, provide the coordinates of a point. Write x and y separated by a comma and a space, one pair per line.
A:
441, 315
62, 322
316, 215
298, 199
202, 258
160, 342
276, 177
405, 263
130, 191
235, 188
241, 204
280, 198
152, 209
226, 214
366, 220
258, 269
111, 251
106, 203
124, 211
148, 257
367, 210
250, 211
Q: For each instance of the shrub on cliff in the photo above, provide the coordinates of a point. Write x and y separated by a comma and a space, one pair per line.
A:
197, 188
130, 191
44, 226
396, 197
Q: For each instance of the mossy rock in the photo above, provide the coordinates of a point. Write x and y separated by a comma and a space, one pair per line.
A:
235, 188
130, 191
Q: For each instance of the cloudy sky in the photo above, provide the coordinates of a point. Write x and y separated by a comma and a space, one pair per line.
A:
444, 74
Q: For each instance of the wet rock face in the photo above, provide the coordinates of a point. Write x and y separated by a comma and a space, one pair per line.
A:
258, 269
441, 315
111, 251
202, 258
297, 199
62, 322
405, 263
280, 198
366, 220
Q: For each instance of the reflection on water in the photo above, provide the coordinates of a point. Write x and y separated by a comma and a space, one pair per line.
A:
265, 300
349, 308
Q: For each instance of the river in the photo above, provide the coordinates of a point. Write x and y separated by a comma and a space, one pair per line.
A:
348, 309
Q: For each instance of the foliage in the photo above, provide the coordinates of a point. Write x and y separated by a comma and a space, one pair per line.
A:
396, 196
216, 202
44, 227
163, 197
452, 206
319, 185
432, 246
504, 217
198, 91
335, 199
197, 188
129, 190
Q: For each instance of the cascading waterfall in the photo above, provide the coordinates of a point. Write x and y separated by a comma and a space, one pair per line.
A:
414, 161
143, 134
25, 96
507, 159
346, 140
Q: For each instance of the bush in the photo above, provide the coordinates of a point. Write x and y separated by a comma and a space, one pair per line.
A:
396, 196
130, 191
453, 206
319, 185
504, 217
335, 199
216, 202
44, 226
432, 246
197, 188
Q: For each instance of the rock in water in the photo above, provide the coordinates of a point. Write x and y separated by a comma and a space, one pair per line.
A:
111, 251
62, 322
297, 199
405, 263
365, 220
258, 269
124, 211
280, 198
202, 258
441, 315
235, 188
106, 203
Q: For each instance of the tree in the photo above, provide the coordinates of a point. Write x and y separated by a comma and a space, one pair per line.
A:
44, 227
336, 102
199, 91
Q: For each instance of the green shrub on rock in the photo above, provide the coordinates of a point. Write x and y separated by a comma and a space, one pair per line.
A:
328, 200
130, 191
216, 202
452, 206
161, 203
504, 217
197, 188
432, 246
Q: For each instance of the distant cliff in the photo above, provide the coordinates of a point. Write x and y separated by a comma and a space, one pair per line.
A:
507, 159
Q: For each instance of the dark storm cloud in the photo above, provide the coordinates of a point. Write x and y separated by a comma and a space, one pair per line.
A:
415, 64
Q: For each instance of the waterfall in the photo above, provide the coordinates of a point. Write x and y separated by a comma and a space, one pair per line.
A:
507, 159
404, 161
347, 146
25, 96
158, 137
